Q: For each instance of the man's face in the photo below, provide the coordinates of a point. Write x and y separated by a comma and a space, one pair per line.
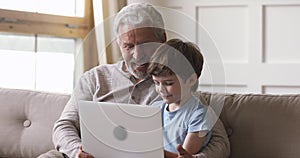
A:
137, 46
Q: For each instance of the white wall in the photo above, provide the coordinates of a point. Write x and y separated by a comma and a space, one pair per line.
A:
250, 46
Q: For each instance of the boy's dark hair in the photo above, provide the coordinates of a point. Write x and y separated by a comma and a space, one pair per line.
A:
177, 57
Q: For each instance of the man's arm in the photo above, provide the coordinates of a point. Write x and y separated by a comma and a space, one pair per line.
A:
66, 131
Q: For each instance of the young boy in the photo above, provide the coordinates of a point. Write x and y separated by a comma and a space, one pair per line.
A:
175, 68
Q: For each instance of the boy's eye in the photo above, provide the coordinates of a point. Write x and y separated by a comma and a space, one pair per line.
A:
165, 83
169, 83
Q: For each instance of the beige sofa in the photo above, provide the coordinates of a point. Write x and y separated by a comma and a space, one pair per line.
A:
258, 126
26, 121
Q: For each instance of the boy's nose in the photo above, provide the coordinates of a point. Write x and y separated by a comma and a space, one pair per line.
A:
162, 89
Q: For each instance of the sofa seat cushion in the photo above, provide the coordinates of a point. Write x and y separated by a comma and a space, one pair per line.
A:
26, 120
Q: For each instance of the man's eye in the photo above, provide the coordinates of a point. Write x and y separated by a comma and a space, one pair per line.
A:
128, 47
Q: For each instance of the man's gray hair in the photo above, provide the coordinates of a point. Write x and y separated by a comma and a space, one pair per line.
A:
139, 15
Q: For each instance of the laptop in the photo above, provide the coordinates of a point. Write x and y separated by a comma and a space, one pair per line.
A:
121, 130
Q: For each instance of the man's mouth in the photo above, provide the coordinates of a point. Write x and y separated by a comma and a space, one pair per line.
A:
142, 67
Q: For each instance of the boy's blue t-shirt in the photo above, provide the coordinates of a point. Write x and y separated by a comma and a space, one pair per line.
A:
191, 117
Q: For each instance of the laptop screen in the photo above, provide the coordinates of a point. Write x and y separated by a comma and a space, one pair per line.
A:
121, 130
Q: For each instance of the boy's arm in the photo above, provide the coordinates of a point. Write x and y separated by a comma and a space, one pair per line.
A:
193, 142
218, 146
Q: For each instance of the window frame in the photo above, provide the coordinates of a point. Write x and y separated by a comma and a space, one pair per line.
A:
29, 23
48, 24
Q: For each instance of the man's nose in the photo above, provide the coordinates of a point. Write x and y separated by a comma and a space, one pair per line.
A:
137, 52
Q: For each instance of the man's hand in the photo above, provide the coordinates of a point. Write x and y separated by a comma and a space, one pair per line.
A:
82, 154
182, 153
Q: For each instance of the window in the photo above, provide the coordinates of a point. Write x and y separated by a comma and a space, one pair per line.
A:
55, 7
38, 42
37, 62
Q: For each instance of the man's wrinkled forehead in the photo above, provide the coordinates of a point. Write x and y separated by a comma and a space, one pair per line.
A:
123, 29
140, 34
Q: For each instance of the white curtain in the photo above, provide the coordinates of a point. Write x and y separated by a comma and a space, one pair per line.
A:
104, 11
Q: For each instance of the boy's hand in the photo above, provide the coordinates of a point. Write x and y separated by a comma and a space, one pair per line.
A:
82, 154
182, 153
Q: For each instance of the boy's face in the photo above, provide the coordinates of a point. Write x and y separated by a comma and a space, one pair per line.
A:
171, 88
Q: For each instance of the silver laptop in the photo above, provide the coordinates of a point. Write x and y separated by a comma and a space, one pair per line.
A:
114, 130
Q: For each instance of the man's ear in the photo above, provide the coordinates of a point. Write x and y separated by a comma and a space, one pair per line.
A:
192, 79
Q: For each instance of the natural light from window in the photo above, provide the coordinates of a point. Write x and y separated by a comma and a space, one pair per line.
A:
57, 7
17, 69
37, 63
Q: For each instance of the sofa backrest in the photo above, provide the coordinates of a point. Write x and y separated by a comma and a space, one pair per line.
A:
26, 121
260, 126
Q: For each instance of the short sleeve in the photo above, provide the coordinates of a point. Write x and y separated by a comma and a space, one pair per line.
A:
198, 121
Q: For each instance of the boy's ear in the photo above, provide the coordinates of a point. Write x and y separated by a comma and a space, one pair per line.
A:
192, 79
165, 38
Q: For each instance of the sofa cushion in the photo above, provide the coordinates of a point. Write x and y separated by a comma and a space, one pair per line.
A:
26, 120
261, 126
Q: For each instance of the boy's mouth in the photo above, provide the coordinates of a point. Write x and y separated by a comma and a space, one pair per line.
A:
166, 96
